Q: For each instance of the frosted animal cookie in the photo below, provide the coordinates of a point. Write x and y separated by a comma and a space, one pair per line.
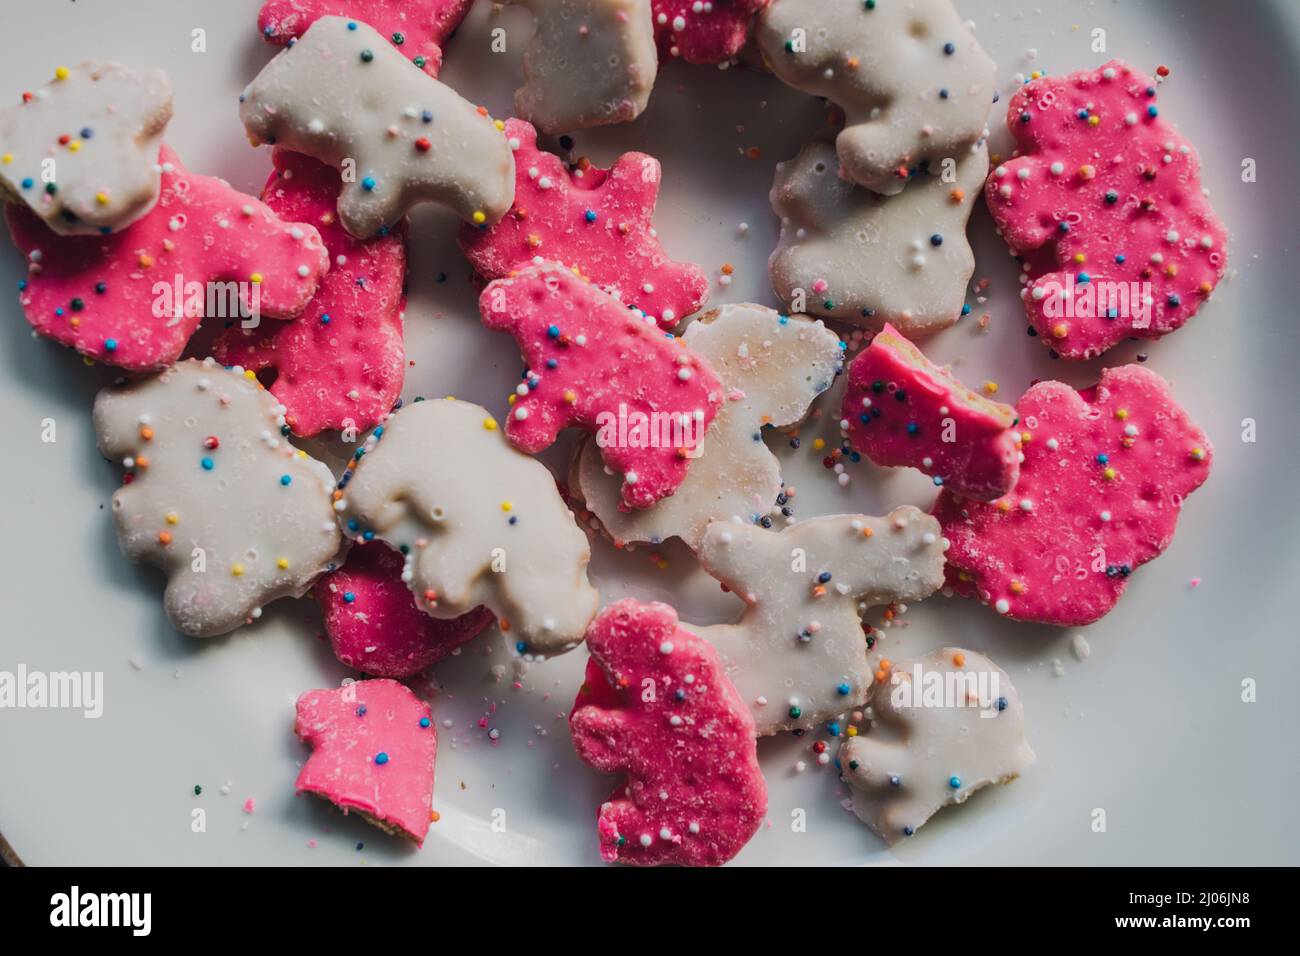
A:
341, 363
82, 151
342, 94
942, 750
589, 63
418, 28
772, 367
1103, 205
232, 514
133, 299
797, 653
373, 751
1104, 476
480, 523
373, 623
914, 84
657, 707
596, 365
902, 409
863, 258
598, 221
712, 31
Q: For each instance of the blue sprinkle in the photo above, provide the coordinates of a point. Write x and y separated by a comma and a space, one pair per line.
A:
1002, 703
367, 536
207, 464
843, 690
1173, 300
368, 183
361, 710
1064, 226
28, 183
348, 597
424, 722
936, 240
908, 831
520, 646
553, 331
833, 729
949, 48
286, 480
1152, 111
913, 428
965, 309
352, 524
381, 758
1103, 459
590, 215
955, 782
87, 132
352, 26
325, 319
427, 116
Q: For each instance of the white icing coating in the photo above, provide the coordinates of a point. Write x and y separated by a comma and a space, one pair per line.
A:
868, 259
234, 523
799, 658
772, 368
963, 725
482, 524
344, 95
589, 63
906, 99
105, 176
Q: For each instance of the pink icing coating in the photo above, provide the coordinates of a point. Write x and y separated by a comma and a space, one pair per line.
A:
657, 706
423, 25
712, 36
596, 220
1124, 194
962, 440
373, 747
346, 371
606, 356
1105, 474
373, 622
182, 239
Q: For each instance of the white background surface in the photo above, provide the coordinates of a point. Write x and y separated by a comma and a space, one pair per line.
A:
1151, 727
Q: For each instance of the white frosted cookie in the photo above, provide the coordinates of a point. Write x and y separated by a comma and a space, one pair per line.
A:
860, 257
233, 514
944, 726
82, 151
589, 63
344, 95
772, 367
798, 654
914, 85
479, 522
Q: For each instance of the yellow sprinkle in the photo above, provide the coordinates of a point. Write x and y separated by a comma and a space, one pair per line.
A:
479, 217
1121, 413
852, 731
1060, 330
819, 444
74, 146
499, 125
61, 73
7, 158
282, 564
172, 517
1109, 474
1080, 258
236, 569
255, 277
512, 399
1026, 436
991, 387
1198, 453
1094, 120
490, 424
570, 396
249, 373
101, 198
1037, 74
1004, 506
506, 506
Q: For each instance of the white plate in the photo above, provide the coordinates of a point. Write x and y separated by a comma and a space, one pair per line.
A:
1151, 727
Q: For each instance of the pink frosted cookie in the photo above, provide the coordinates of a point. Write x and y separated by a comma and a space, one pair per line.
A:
657, 706
340, 364
418, 28
710, 32
1103, 204
134, 298
598, 221
373, 623
373, 746
1104, 475
902, 409
596, 365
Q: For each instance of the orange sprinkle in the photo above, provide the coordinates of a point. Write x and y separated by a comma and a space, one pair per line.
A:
959, 660
434, 816
957, 195
164, 537
146, 432
754, 152
728, 268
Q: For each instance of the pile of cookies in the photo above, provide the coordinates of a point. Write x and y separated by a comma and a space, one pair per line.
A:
443, 525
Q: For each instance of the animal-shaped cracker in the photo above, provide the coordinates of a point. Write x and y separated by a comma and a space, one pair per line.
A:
713, 31
418, 28
1105, 474
597, 221
863, 258
914, 85
373, 750
374, 624
797, 653
133, 299
344, 95
657, 707
902, 409
772, 367
230, 511
81, 152
589, 63
597, 365
957, 726
340, 364
1103, 203
479, 523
